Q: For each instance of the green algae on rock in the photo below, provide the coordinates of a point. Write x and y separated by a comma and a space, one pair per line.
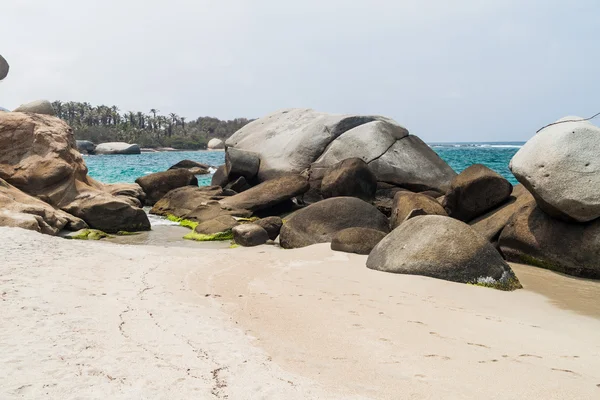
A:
88, 234
220, 236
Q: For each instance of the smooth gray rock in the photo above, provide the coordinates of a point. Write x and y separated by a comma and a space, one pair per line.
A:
241, 163
249, 235
443, 248
157, 185
215, 144
318, 222
117, 148
37, 107
356, 240
560, 166
86, 147
4, 67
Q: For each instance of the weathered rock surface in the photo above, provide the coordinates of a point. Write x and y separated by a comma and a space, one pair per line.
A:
215, 144
241, 163
249, 235
405, 203
443, 248
268, 194
18, 209
117, 148
272, 225
212, 210
476, 191
37, 107
39, 156
85, 146
222, 223
351, 177
157, 185
4, 67
239, 185
356, 240
180, 202
131, 192
219, 178
194, 167
491, 224
290, 141
561, 168
318, 222
533, 237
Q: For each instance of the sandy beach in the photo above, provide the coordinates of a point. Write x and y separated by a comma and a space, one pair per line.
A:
88, 320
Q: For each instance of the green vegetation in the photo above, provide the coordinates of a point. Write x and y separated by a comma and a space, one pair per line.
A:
87, 234
106, 124
193, 235
186, 223
536, 262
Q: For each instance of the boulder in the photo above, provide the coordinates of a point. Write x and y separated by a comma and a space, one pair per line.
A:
160, 183
215, 144
194, 167
222, 223
239, 185
117, 148
491, 224
561, 168
249, 235
443, 248
406, 202
241, 163
291, 141
319, 222
85, 147
268, 194
219, 178
476, 191
39, 156
180, 202
18, 209
37, 107
131, 192
535, 238
432, 193
356, 240
351, 177
212, 210
272, 225
4, 67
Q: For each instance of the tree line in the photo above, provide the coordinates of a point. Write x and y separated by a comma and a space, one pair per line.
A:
107, 124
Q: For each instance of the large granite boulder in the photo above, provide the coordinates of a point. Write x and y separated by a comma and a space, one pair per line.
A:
85, 146
130, 192
39, 156
351, 177
561, 168
291, 141
535, 238
37, 107
250, 235
180, 202
157, 185
4, 67
268, 194
18, 209
356, 240
443, 248
491, 224
241, 163
475, 191
407, 204
319, 222
194, 167
117, 148
215, 144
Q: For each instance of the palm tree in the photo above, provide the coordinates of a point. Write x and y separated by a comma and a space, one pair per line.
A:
154, 111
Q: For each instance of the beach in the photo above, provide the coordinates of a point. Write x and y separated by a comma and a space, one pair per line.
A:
101, 320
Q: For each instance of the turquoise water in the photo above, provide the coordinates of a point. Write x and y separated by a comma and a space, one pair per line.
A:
127, 168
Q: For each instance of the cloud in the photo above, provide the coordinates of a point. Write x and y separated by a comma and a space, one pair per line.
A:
462, 70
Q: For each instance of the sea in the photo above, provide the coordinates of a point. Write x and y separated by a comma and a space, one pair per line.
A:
127, 168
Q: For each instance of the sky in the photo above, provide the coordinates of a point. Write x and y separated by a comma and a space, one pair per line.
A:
449, 71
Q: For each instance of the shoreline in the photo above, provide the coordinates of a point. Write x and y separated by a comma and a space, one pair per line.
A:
124, 320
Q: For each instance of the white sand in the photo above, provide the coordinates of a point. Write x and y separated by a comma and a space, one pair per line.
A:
84, 320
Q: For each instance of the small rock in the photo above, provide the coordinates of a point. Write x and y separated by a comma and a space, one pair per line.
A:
406, 202
249, 235
351, 177
356, 240
272, 225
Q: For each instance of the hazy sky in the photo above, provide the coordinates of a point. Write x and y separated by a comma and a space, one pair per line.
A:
461, 70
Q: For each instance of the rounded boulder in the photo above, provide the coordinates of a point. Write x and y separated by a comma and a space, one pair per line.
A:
157, 185
407, 204
250, 235
351, 177
356, 240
